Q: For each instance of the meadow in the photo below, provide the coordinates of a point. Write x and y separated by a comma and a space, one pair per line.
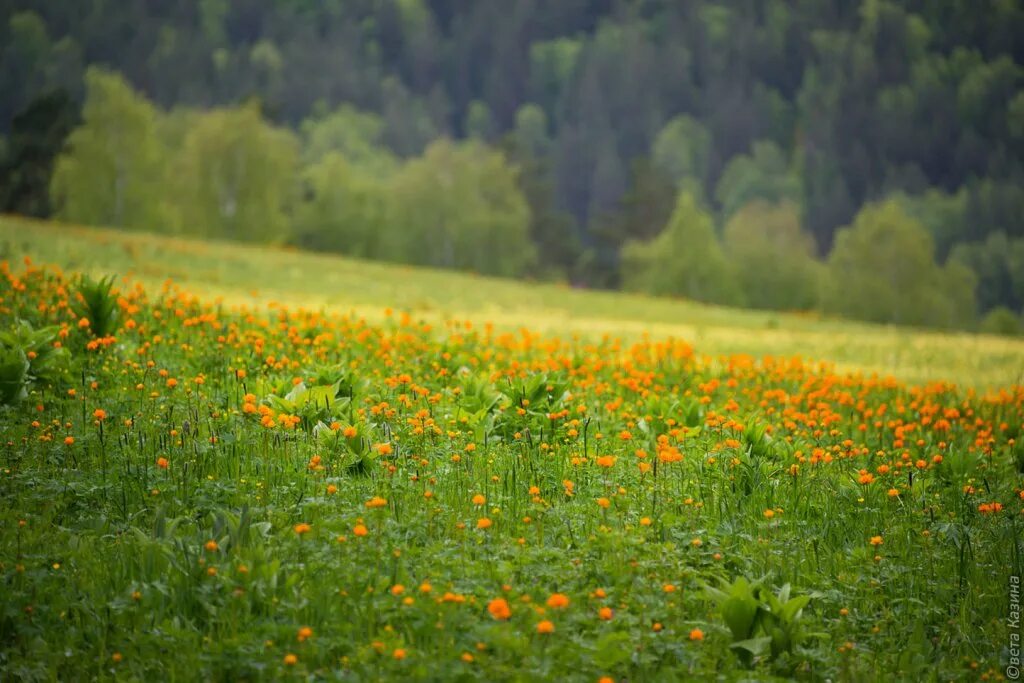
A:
239, 463
236, 274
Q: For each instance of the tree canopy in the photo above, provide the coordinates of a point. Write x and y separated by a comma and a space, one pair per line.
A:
604, 112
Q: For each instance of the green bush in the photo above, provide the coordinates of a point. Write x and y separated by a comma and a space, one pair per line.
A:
773, 257
1002, 320
96, 302
882, 269
685, 259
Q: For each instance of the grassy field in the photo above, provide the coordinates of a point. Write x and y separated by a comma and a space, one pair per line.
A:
257, 473
250, 275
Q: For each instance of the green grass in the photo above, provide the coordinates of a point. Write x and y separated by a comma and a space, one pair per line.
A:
247, 274
201, 490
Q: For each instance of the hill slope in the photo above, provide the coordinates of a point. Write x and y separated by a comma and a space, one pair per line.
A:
246, 274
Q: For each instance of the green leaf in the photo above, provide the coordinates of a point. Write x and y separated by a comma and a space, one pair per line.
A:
612, 649
755, 646
13, 375
740, 613
791, 610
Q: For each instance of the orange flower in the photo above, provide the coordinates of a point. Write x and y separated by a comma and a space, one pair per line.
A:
606, 460
604, 502
69, 440
479, 499
305, 633
499, 609
696, 634
876, 541
398, 654
545, 627
360, 530
558, 601
302, 528
290, 659
376, 502
483, 523
99, 414
605, 613
211, 545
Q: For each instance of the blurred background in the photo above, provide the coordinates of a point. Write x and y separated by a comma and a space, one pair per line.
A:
864, 159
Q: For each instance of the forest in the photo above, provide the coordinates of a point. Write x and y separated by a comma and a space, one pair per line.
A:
861, 159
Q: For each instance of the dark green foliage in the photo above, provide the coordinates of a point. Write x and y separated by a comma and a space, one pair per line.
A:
830, 105
28, 356
763, 624
999, 264
37, 136
13, 375
552, 229
95, 301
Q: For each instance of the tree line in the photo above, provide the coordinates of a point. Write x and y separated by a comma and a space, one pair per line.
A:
863, 158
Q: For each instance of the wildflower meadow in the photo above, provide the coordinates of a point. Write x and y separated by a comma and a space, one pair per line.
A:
197, 490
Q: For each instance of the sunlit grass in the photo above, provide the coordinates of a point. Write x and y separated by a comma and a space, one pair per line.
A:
246, 274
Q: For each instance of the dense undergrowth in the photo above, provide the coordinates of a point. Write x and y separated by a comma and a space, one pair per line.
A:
198, 491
